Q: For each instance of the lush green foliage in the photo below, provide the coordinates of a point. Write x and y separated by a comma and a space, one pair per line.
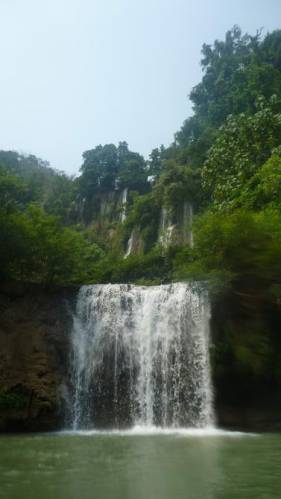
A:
243, 249
176, 184
13, 192
35, 247
108, 167
39, 183
151, 268
265, 186
243, 144
225, 160
37, 205
236, 72
145, 215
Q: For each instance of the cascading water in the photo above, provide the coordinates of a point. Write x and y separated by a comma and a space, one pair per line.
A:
129, 246
166, 228
124, 205
140, 357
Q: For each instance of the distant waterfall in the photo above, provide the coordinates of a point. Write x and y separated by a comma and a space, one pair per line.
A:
134, 244
140, 357
124, 204
166, 228
129, 246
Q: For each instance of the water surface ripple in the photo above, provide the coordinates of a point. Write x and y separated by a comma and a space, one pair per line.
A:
195, 464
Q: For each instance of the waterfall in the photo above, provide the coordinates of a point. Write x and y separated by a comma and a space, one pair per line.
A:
166, 228
134, 244
124, 204
140, 357
129, 246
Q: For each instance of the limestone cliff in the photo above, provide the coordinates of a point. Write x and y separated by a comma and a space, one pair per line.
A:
106, 213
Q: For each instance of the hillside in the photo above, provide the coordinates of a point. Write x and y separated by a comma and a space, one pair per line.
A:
205, 209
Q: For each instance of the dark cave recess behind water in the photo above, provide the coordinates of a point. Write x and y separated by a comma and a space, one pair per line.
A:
35, 328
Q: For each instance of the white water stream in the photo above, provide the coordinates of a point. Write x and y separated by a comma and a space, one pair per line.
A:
124, 205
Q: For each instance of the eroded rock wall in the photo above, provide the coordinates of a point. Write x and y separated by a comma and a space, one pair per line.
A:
246, 358
34, 349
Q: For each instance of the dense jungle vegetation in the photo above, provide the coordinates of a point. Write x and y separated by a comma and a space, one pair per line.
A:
225, 159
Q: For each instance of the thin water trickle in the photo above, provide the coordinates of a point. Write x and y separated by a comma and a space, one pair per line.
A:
124, 205
166, 228
129, 246
140, 356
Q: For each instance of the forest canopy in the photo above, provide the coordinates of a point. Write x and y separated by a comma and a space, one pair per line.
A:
225, 160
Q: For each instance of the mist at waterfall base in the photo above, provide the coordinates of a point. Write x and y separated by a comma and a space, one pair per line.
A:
140, 359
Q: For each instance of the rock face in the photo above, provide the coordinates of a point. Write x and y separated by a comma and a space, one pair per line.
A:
105, 208
246, 361
176, 228
33, 356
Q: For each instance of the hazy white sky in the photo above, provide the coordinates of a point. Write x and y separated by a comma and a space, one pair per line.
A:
76, 73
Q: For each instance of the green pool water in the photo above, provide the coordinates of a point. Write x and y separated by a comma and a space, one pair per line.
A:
140, 466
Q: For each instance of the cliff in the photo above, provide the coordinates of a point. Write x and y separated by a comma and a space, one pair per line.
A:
107, 213
246, 358
34, 328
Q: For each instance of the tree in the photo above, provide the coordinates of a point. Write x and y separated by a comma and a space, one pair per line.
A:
35, 247
241, 250
131, 169
263, 189
13, 192
52, 189
155, 164
108, 167
237, 71
176, 184
99, 169
242, 146
61, 198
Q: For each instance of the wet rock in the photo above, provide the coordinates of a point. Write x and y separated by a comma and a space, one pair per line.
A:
34, 335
